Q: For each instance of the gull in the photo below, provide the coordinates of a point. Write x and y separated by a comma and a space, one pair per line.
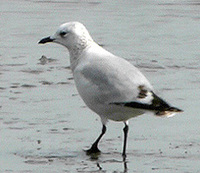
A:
109, 85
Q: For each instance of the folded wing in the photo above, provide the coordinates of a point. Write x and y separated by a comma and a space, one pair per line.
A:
158, 105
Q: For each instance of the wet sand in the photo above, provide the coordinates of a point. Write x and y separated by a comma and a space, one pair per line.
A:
44, 124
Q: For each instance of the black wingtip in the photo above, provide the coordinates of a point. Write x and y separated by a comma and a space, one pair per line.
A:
174, 109
170, 112
158, 105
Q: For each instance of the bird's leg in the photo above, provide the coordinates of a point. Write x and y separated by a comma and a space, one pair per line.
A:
125, 140
94, 147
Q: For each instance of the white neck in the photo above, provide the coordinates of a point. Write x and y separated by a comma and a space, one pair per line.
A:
74, 57
76, 51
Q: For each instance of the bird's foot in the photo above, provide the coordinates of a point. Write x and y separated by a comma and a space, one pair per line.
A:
93, 150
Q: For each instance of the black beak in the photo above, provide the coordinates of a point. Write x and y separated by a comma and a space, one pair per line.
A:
45, 40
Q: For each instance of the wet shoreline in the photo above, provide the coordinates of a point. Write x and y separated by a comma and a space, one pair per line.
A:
45, 125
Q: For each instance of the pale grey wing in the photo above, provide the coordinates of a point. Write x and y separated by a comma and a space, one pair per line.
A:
112, 80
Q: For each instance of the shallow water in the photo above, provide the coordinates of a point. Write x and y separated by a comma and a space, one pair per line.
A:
45, 126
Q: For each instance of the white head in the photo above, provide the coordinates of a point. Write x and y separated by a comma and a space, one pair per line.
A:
72, 35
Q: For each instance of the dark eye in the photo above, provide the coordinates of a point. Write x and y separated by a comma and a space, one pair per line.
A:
63, 33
